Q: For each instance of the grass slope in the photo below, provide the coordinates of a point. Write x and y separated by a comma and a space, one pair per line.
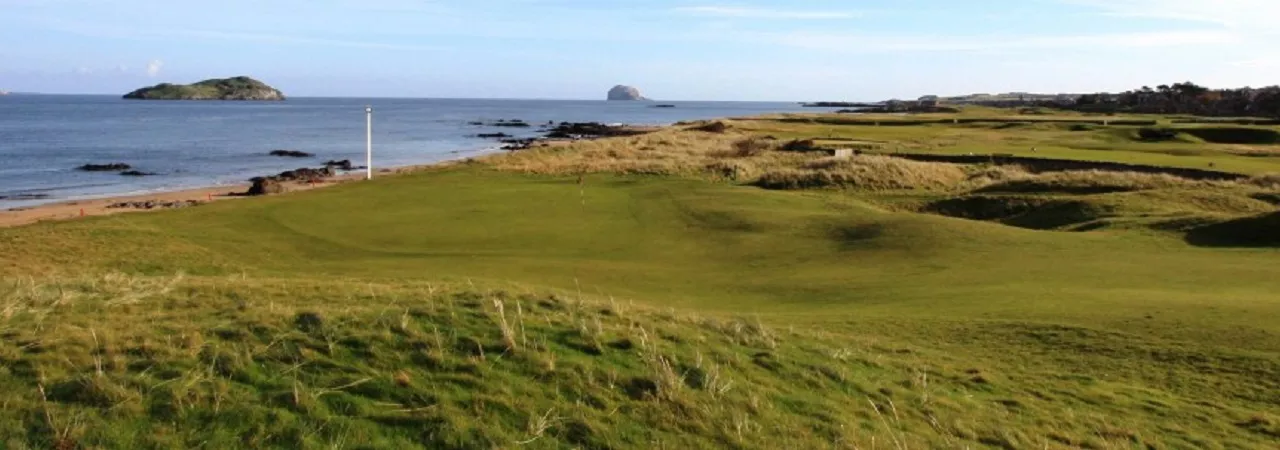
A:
958, 332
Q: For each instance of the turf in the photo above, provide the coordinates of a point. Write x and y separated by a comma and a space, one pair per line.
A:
1241, 149
468, 307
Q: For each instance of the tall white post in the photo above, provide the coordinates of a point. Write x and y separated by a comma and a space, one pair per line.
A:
368, 148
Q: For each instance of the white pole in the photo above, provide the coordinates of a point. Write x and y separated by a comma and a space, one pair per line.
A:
368, 149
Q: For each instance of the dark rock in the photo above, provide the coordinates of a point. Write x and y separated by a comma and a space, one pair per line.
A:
273, 184
493, 135
515, 123
344, 165
518, 144
305, 174
111, 167
265, 186
664, 106
291, 154
475, 123
155, 204
136, 173
22, 196
578, 130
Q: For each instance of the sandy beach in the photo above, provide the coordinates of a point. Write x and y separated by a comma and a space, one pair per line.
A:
74, 209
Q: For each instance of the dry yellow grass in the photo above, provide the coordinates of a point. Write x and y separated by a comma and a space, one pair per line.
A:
1094, 181
740, 156
866, 172
1266, 181
672, 151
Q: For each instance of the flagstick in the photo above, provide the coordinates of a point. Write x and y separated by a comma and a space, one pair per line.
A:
368, 149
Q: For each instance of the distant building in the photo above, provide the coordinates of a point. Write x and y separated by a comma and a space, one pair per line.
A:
929, 101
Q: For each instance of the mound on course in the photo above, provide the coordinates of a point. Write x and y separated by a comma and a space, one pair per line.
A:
664, 301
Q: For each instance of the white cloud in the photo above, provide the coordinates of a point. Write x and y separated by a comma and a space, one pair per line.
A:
764, 13
153, 67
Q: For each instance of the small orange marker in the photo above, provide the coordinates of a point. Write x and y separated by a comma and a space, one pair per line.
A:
210, 194
81, 212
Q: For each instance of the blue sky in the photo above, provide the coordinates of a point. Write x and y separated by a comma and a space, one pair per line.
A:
671, 49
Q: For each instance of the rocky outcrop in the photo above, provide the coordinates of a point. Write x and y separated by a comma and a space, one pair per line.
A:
579, 130
109, 167
519, 144
291, 154
513, 123
136, 173
625, 93
23, 196
155, 204
275, 184
237, 88
265, 186
344, 165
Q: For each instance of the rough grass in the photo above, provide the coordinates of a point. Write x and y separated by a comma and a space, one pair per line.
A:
124, 361
1091, 182
867, 172
746, 155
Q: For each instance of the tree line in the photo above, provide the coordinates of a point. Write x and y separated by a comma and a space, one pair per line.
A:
1185, 98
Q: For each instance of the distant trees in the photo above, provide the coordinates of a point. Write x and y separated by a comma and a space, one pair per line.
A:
1186, 98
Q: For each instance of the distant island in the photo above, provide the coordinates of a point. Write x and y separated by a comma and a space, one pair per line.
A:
625, 93
237, 88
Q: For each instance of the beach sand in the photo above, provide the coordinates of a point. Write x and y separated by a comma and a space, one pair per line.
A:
74, 209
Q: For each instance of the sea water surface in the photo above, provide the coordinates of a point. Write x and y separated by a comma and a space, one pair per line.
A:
43, 138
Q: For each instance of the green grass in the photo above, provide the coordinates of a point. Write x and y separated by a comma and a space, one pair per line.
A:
1242, 149
474, 308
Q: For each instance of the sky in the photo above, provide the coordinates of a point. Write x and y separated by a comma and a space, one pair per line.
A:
797, 50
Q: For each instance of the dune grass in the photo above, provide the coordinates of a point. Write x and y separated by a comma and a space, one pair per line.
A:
636, 293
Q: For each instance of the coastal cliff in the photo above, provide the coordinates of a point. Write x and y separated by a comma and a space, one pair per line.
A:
237, 88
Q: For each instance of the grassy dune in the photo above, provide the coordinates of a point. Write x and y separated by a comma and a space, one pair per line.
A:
664, 302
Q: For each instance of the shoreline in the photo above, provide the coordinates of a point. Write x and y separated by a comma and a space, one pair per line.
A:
195, 196
103, 206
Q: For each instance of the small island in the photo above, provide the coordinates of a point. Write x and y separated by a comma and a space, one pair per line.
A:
237, 88
625, 93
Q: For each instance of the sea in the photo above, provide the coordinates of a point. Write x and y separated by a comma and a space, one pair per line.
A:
187, 144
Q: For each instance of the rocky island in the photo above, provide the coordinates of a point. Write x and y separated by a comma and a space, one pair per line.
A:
237, 88
625, 93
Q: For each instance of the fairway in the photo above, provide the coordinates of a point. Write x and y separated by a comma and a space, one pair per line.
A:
677, 243
828, 306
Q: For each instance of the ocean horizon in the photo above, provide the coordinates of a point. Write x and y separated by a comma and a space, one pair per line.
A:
188, 144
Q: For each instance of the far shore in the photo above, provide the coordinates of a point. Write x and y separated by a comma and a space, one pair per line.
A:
74, 209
